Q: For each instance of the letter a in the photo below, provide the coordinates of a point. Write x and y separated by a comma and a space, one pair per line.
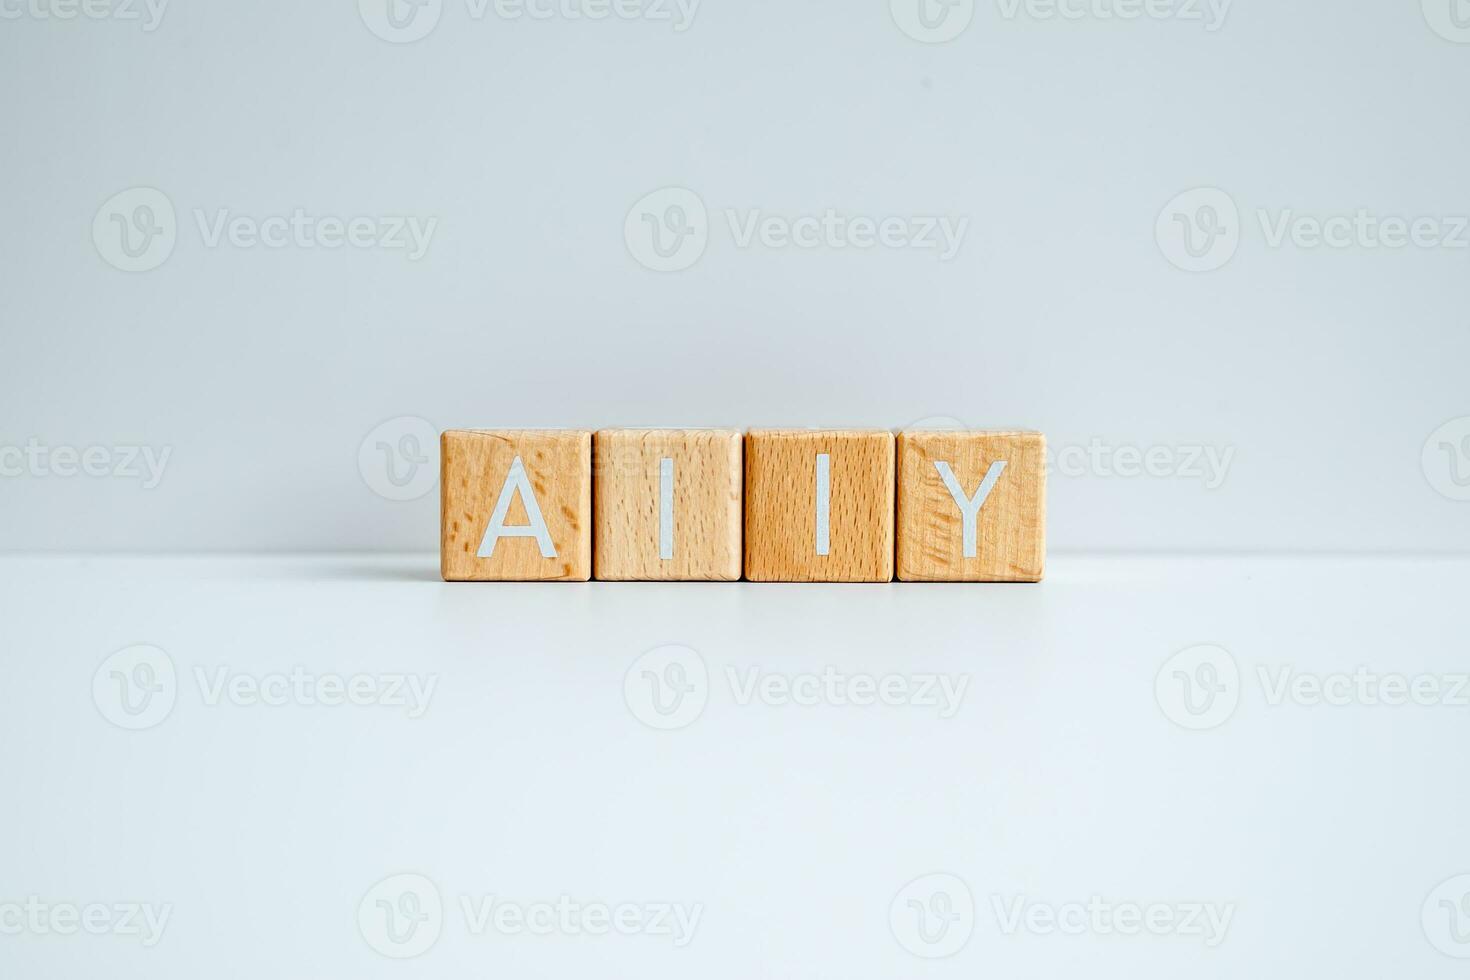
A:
516, 480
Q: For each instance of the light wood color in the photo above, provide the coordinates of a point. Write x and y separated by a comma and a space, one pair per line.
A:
475, 466
1010, 526
781, 506
707, 485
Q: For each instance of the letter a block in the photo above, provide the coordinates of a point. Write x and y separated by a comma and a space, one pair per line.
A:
667, 505
819, 506
971, 506
516, 506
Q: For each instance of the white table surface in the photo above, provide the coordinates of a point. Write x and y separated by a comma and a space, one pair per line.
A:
1330, 834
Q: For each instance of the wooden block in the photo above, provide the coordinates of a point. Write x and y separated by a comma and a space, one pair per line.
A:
819, 506
516, 506
1000, 478
668, 504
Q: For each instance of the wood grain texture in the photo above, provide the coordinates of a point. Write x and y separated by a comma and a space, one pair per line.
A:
706, 504
781, 511
1010, 525
474, 468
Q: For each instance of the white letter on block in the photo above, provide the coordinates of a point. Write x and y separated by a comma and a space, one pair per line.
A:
824, 503
970, 506
666, 509
516, 480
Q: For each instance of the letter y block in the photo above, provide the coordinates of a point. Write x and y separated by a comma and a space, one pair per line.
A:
516, 506
971, 506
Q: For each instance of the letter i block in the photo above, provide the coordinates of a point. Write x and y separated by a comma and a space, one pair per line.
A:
819, 506
667, 505
516, 506
971, 506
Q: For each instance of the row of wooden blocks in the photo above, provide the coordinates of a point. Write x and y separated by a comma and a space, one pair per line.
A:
781, 505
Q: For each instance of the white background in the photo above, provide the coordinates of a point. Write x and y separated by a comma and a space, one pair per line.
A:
1323, 371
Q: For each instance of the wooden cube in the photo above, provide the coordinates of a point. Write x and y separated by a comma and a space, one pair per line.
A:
667, 504
971, 506
516, 506
819, 506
